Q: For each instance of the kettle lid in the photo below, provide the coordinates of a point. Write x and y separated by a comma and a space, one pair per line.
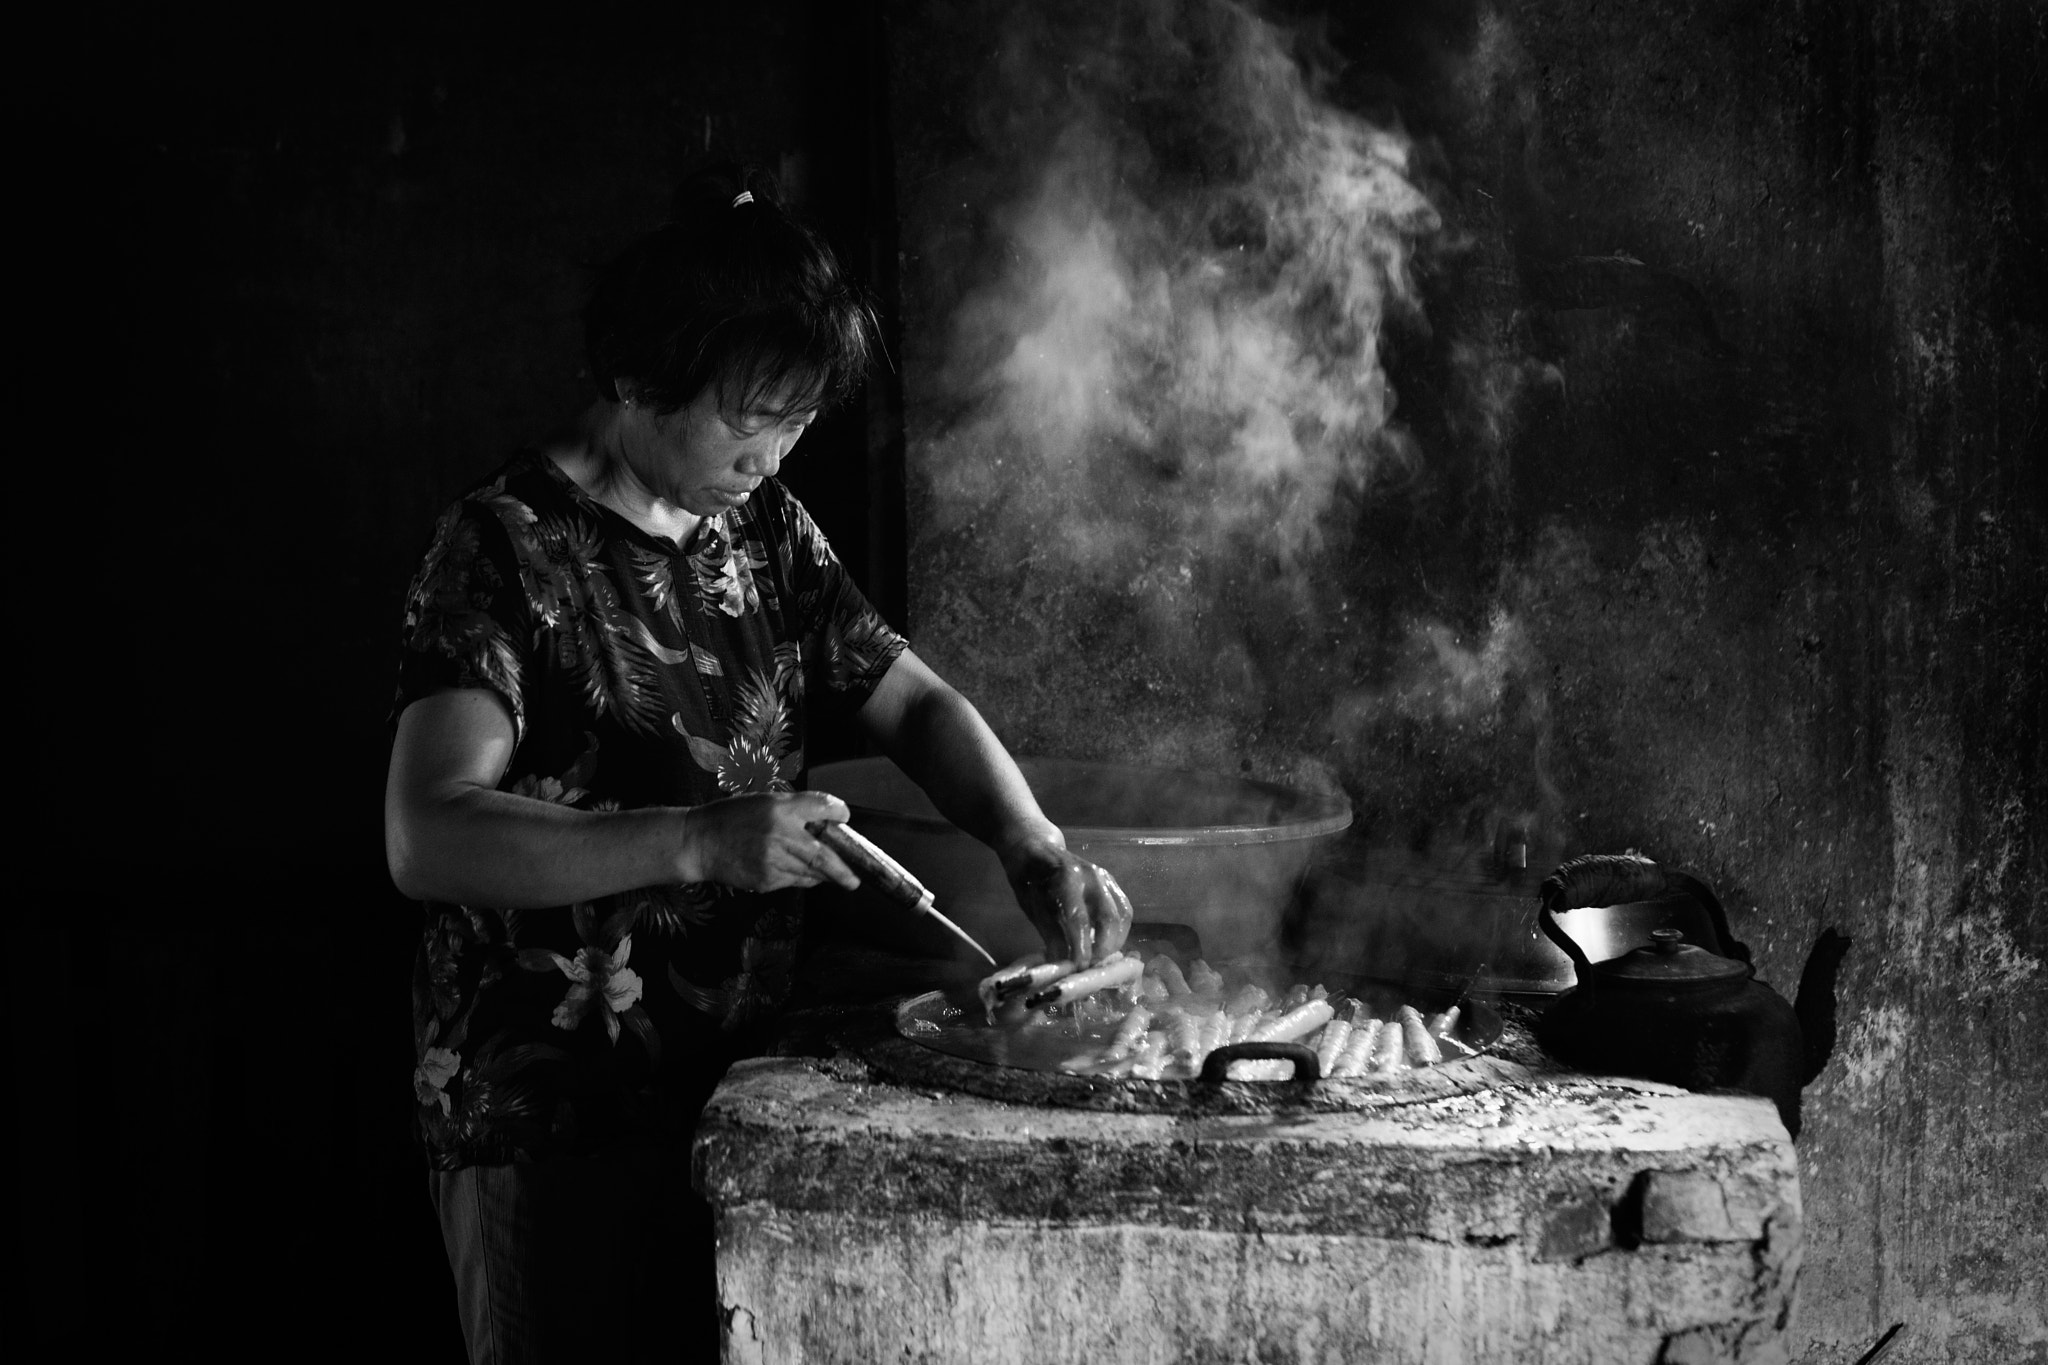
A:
1670, 961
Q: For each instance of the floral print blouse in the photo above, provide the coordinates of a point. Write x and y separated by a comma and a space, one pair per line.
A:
636, 673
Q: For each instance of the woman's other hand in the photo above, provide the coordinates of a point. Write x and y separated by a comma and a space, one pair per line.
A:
1077, 907
939, 739
759, 843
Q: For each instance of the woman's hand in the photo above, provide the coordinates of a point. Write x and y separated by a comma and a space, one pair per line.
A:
1077, 907
759, 843
939, 739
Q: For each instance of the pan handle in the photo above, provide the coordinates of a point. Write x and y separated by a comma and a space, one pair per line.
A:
1306, 1071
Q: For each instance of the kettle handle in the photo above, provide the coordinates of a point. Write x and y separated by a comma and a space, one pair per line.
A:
1547, 910
1617, 879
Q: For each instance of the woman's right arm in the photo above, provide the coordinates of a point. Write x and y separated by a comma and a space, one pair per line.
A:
451, 835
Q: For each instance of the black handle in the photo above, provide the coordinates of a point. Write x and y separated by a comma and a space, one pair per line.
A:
1307, 1070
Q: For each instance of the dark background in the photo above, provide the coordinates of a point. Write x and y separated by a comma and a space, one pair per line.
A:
284, 286
295, 280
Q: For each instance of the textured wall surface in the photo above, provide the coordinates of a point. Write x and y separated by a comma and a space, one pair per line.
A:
874, 1221
1720, 530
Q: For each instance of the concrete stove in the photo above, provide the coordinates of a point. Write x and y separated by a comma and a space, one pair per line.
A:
1546, 1217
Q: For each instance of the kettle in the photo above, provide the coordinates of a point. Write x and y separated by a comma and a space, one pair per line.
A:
1684, 1013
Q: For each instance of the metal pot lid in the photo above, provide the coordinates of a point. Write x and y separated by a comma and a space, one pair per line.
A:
1670, 961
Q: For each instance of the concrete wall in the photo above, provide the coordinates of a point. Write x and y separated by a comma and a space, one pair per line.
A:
1722, 526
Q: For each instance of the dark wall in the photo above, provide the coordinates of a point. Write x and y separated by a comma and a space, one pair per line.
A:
1726, 402
298, 277
1769, 505
1826, 575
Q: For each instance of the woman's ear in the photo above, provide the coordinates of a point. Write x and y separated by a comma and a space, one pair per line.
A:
628, 391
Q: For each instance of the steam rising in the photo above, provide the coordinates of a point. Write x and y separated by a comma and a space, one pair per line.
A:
1182, 344
1444, 680
1162, 417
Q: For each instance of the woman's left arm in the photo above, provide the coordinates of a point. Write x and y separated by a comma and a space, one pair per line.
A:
937, 737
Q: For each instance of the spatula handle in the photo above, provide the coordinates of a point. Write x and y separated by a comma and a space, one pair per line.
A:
873, 865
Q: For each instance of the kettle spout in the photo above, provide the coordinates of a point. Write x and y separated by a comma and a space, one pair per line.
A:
1815, 1006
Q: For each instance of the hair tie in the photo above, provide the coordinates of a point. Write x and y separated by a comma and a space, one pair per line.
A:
743, 197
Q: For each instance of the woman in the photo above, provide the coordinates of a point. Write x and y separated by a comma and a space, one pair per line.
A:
608, 655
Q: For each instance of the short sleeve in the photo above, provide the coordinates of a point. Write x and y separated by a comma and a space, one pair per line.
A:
466, 616
853, 644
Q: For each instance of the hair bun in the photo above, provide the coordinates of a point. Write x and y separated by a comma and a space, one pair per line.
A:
741, 297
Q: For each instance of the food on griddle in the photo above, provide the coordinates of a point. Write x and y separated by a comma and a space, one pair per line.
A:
1166, 971
1164, 1022
1021, 978
1129, 1034
1248, 1001
1420, 1047
1357, 1051
1114, 970
1295, 1024
1387, 1058
1150, 1060
1299, 1017
1330, 1045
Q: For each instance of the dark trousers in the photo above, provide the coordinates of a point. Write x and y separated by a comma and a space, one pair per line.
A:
608, 1257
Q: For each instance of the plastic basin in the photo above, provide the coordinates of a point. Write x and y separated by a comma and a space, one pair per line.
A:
1222, 854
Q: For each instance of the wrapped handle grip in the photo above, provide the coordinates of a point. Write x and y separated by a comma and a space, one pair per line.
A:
860, 854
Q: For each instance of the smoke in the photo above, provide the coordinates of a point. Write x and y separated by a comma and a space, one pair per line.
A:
1442, 679
1483, 695
1181, 344
1160, 468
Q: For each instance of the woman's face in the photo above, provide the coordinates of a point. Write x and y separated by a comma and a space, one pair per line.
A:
704, 460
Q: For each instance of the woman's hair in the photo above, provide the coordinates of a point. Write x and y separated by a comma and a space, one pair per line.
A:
734, 296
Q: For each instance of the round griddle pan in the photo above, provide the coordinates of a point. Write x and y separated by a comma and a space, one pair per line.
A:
942, 1038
